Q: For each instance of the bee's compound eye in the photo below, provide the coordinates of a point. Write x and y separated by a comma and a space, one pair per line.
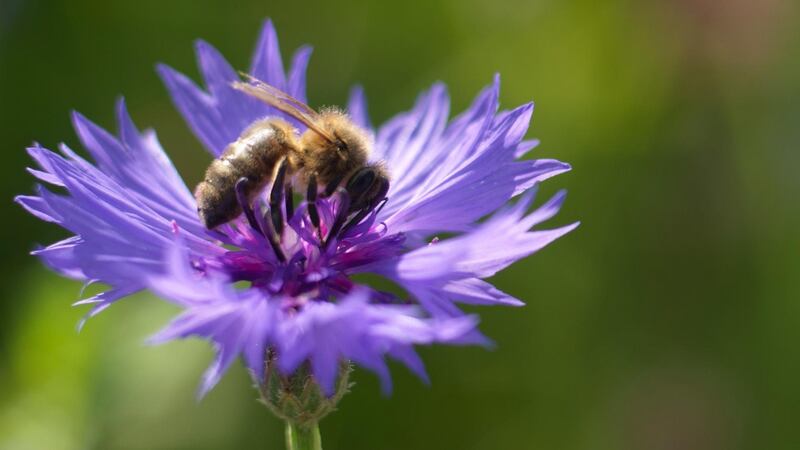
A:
360, 182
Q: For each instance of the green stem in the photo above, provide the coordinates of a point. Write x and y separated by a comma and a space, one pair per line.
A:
303, 437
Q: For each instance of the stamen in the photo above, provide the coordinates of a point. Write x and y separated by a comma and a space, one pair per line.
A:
362, 213
241, 197
355, 220
381, 205
275, 198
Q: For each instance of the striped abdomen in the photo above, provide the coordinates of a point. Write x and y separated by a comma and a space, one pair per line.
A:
253, 156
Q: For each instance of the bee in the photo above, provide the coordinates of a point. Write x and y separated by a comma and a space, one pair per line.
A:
332, 153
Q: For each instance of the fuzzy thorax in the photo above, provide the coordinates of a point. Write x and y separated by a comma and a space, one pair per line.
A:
334, 160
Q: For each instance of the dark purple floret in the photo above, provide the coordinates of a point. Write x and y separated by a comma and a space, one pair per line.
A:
306, 261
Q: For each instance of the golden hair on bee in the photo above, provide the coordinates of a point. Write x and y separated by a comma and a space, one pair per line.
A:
349, 149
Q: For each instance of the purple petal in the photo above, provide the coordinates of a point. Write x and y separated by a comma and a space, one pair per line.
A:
526, 174
478, 292
123, 211
219, 116
449, 272
467, 169
197, 108
524, 147
267, 63
37, 207
236, 322
61, 258
363, 332
357, 107
297, 73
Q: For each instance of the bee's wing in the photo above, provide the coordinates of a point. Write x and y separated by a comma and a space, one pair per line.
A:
277, 93
283, 102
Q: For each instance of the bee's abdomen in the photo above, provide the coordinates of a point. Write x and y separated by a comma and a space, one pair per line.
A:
253, 156
216, 195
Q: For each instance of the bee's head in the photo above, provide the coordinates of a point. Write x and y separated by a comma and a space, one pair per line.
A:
346, 147
367, 186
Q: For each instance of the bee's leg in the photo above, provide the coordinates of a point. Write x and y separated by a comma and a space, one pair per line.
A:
245, 204
276, 197
330, 188
263, 228
375, 205
272, 237
289, 201
311, 199
341, 217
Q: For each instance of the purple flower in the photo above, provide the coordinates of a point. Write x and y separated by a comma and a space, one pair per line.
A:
136, 227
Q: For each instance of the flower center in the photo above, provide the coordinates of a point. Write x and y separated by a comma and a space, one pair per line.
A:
306, 253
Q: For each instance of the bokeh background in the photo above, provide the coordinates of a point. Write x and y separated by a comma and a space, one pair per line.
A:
669, 320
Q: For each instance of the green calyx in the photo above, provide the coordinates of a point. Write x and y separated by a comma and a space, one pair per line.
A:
297, 398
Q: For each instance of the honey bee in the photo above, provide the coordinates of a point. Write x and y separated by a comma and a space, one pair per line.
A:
332, 153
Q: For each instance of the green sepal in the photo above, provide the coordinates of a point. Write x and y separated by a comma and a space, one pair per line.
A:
297, 398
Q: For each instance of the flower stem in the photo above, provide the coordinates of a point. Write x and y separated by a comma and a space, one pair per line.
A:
303, 437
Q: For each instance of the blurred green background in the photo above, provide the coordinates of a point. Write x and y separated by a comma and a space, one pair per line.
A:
669, 320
